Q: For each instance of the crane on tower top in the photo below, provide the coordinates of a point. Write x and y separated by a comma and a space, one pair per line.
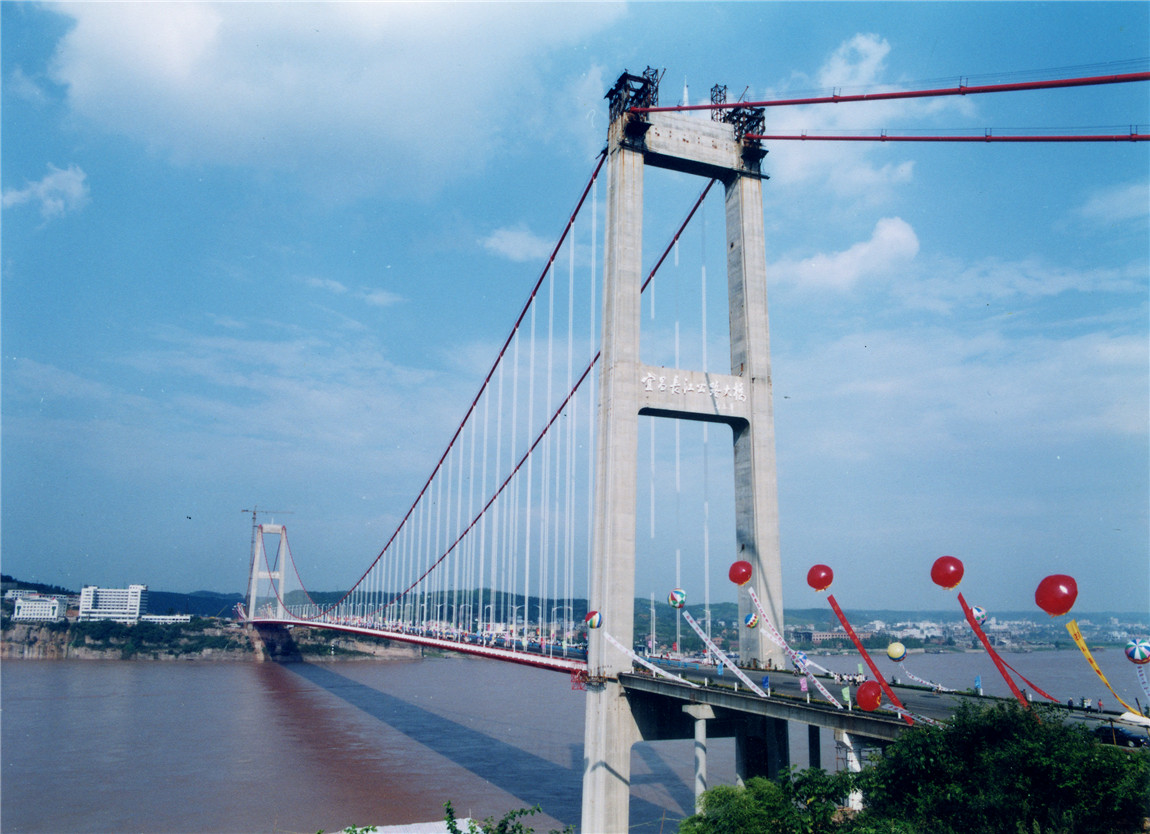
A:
255, 511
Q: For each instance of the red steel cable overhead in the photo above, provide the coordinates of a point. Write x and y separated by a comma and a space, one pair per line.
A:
1120, 137
960, 90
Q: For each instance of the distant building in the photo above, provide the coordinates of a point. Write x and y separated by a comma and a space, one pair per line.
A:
809, 636
165, 619
36, 607
121, 605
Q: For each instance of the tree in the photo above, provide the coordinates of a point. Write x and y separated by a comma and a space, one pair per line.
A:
507, 824
1007, 769
799, 802
1000, 769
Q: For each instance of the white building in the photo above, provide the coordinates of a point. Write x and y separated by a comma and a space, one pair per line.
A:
165, 619
36, 607
122, 605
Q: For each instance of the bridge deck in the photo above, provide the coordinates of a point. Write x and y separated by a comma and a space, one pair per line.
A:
543, 661
876, 726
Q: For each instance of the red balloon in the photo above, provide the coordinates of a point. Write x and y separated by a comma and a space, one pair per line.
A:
820, 577
740, 572
946, 572
1056, 594
869, 696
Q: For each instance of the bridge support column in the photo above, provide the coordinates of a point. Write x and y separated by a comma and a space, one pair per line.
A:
846, 748
701, 713
762, 748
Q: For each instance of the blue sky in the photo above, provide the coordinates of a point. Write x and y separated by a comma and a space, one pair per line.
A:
264, 253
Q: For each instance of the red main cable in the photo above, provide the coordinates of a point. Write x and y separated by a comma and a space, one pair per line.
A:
946, 91
1119, 137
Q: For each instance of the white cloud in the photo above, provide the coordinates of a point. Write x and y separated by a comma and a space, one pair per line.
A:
892, 246
517, 244
942, 283
256, 84
380, 298
857, 170
59, 192
328, 284
927, 393
1118, 204
24, 87
857, 62
373, 297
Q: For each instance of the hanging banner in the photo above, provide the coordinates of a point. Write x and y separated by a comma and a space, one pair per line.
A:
660, 672
722, 657
874, 669
1033, 686
937, 687
998, 662
797, 658
906, 714
1076, 636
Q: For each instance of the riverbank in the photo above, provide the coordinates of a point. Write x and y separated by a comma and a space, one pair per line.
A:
200, 639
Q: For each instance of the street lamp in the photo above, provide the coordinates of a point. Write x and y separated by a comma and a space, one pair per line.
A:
515, 622
552, 625
466, 622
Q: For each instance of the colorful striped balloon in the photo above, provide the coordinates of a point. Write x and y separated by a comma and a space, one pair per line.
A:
751, 620
979, 614
1138, 651
896, 652
593, 619
677, 598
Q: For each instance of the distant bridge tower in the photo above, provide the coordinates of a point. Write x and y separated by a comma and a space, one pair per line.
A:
260, 592
741, 400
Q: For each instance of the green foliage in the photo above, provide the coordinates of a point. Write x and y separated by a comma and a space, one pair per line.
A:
1000, 769
507, 824
799, 802
1007, 769
150, 638
100, 633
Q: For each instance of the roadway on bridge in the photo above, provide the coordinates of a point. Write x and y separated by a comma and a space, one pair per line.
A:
918, 700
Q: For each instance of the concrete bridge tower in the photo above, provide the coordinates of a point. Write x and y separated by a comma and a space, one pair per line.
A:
742, 400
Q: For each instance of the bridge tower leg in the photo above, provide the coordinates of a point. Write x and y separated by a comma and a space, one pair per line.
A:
609, 728
627, 388
261, 573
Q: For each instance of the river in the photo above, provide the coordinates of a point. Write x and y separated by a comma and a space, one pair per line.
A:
112, 746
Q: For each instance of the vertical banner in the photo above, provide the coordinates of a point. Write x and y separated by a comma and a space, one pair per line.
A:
1076, 636
977, 629
797, 658
722, 657
874, 669
650, 666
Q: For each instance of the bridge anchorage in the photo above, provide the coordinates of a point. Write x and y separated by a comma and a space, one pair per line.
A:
718, 149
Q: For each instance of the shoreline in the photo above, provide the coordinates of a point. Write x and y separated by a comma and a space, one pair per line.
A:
201, 640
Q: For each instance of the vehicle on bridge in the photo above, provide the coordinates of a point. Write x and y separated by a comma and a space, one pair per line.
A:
1121, 736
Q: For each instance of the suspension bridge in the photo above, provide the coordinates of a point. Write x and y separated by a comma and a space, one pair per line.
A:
521, 545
